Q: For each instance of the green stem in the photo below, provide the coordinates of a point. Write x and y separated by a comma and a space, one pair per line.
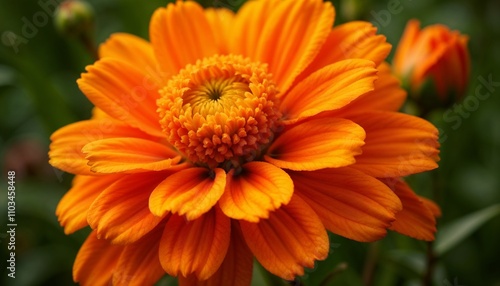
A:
431, 262
370, 264
338, 269
431, 258
88, 42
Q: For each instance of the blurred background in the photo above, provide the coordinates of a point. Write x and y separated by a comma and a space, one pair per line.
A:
38, 94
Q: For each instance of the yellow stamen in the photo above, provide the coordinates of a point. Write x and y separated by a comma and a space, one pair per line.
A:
221, 111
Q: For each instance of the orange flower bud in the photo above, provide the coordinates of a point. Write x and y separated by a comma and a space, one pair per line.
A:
434, 53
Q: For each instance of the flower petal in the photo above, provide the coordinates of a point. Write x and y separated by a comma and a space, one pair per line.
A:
181, 35
403, 60
124, 92
132, 49
116, 155
387, 94
415, 220
195, 247
72, 209
432, 206
67, 143
317, 144
139, 263
120, 213
98, 114
236, 270
451, 72
257, 190
348, 202
221, 21
330, 88
96, 261
397, 144
191, 192
292, 238
352, 40
285, 34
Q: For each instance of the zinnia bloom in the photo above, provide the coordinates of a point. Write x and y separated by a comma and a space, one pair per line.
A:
233, 136
434, 54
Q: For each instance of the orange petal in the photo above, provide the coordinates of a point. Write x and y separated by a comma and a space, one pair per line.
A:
432, 206
397, 144
96, 261
72, 209
425, 63
257, 190
97, 114
415, 220
181, 35
116, 155
285, 34
387, 94
317, 144
124, 92
221, 21
348, 202
403, 59
353, 40
191, 192
330, 88
120, 213
292, 238
128, 47
195, 247
139, 263
451, 71
236, 270
136, 51
67, 143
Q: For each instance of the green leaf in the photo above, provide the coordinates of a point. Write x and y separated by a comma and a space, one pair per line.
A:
455, 232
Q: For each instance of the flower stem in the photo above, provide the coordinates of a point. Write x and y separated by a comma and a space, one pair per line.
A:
431, 262
370, 263
89, 44
338, 269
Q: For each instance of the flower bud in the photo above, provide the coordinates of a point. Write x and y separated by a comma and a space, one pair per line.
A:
352, 9
74, 18
433, 64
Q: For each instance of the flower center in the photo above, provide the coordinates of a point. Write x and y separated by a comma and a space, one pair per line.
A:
221, 111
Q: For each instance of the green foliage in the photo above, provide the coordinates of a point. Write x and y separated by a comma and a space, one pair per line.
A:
456, 231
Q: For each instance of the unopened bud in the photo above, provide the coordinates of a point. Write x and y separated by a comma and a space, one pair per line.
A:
351, 10
74, 18
433, 64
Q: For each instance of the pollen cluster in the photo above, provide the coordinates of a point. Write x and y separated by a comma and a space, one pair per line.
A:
221, 111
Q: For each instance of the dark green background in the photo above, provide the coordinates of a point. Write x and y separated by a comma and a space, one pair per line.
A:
38, 94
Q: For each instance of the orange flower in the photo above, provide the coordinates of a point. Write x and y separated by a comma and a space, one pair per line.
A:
436, 53
233, 136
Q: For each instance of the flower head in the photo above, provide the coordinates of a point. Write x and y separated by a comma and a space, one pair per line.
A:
434, 54
233, 136
220, 112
